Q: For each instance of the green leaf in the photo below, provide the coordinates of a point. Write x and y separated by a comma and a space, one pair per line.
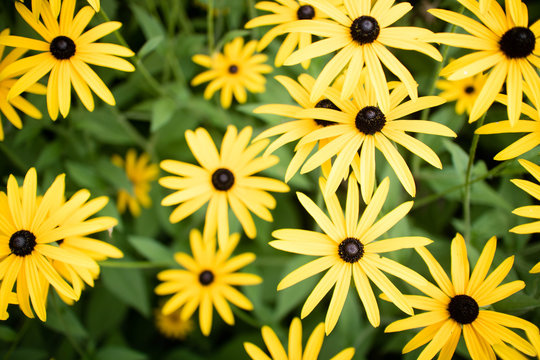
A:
162, 112
517, 303
111, 313
62, 319
114, 175
119, 353
129, 286
460, 158
152, 250
150, 26
83, 175
7, 334
150, 45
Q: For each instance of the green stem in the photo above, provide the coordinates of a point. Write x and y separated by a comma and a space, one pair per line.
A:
431, 198
185, 23
468, 172
19, 164
67, 333
20, 335
137, 61
134, 264
210, 25
245, 317
135, 135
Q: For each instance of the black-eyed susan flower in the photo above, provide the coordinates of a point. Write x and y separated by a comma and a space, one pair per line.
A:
55, 6
172, 325
349, 250
83, 245
234, 71
140, 172
284, 12
464, 92
530, 127
207, 281
7, 107
66, 52
297, 129
363, 126
295, 351
361, 33
504, 43
531, 211
223, 178
29, 230
455, 307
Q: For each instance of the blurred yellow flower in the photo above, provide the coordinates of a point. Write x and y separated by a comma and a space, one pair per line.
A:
464, 92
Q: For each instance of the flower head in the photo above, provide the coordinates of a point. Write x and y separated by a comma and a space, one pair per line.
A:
361, 126
361, 33
140, 173
234, 71
277, 351
503, 43
29, 232
55, 6
285, 12
207, 281
7, 107
65, 52
532, 211
297, 129
222, 179
349, 249
455, 306
464, 92
172, 326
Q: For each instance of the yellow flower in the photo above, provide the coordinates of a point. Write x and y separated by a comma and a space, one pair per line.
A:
55, 6
455, 306
66, 53
348, 248
284, 13
84, 246
277, 352
28, 232
222, 180
207, 281
532, 211
464, 92
6, 82
172, 325
234, 71
362, 33
297, 129
504, 43
532, 127
361, 126
141, 174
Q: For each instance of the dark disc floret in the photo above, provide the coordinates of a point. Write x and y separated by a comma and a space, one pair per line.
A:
206, 277
222, 179
518, 42
325, 104
22, 243
463, 309
370, 120
365, 30
351, 250
305, 12
469, 89
62, 47
233, 69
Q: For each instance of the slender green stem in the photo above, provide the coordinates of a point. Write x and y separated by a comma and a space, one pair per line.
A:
468, 172
20, 334
210, 25
134, 264
184, 21
252, 14
431, 198
67, 333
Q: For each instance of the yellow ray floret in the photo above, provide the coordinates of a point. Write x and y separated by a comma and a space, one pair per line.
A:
207, 281
464, 92
65, 52
455, 307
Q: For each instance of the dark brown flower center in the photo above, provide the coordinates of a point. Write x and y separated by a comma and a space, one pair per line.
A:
370, 120
222, 179
351, 250
365, 30
62, 47
469, 89
22, 243
325, 104
463, 309
206, 277
305, 12
233, 69
517, 42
